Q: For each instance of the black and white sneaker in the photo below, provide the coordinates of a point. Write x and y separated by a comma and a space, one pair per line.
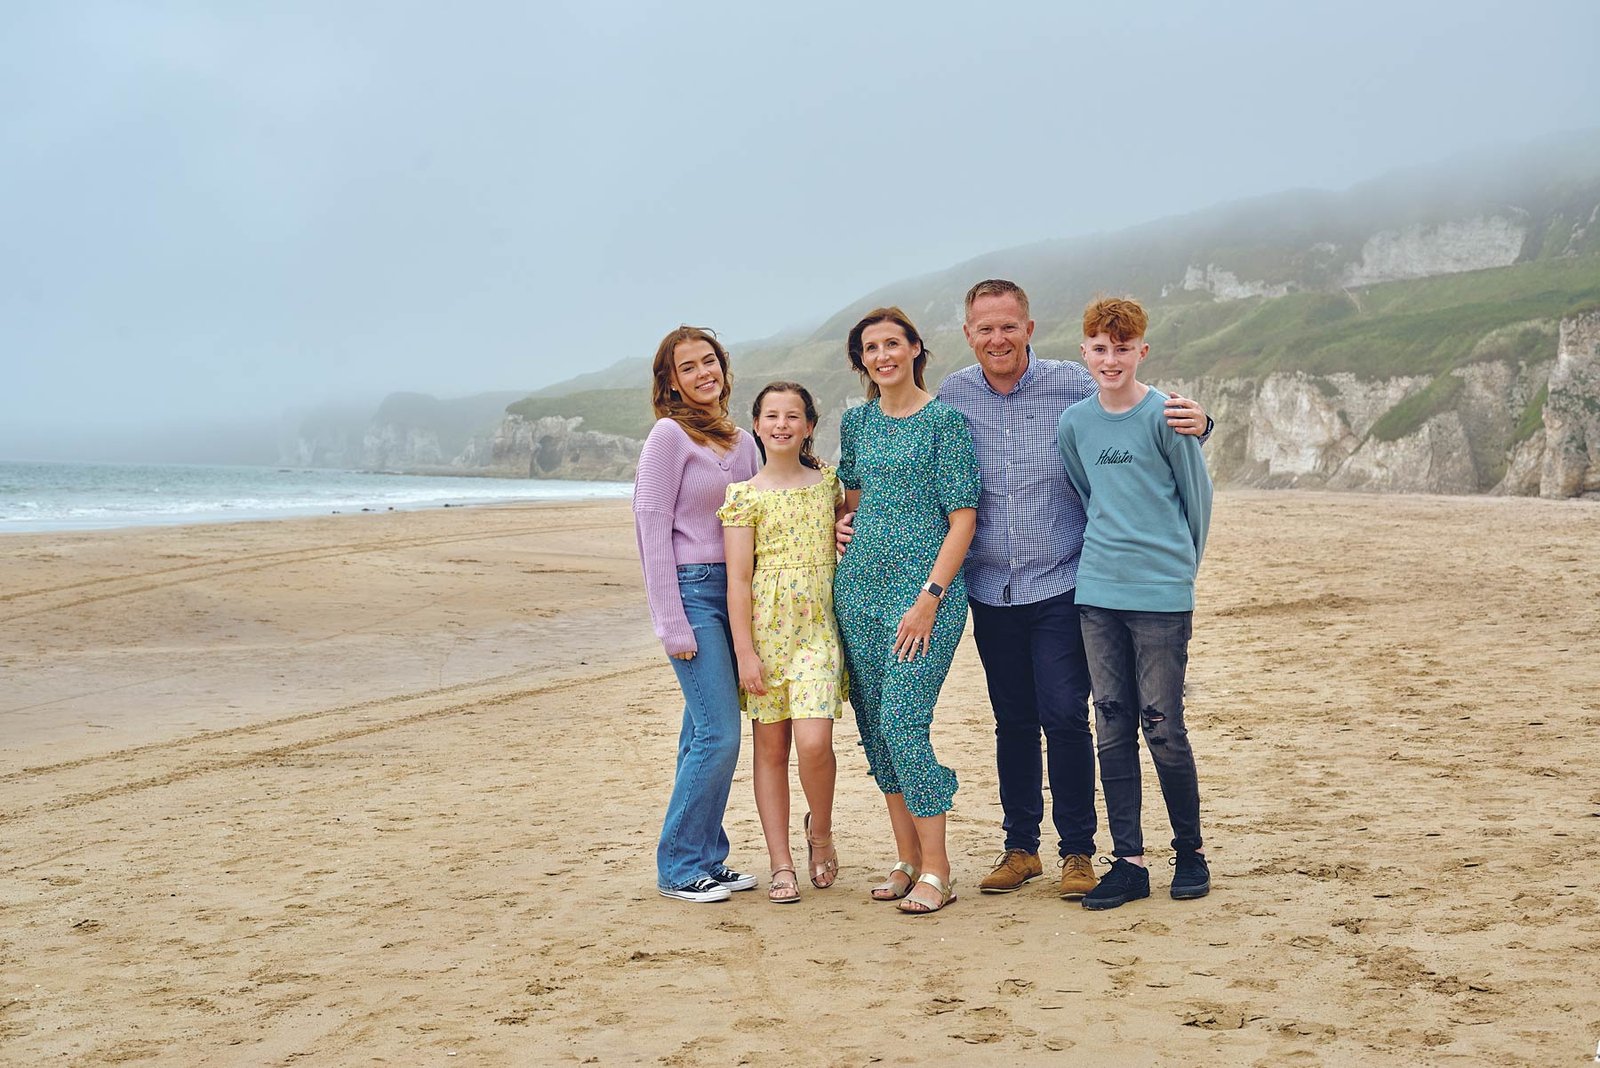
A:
731, 879
700, 890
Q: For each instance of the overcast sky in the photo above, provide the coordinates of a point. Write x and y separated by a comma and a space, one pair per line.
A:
225, 209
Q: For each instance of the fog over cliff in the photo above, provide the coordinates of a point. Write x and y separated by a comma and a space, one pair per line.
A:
213, 216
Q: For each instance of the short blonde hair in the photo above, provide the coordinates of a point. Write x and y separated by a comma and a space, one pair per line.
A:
997, 287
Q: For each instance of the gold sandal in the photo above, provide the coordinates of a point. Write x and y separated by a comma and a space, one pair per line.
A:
790, 888
885, 891
946, 890
829, 867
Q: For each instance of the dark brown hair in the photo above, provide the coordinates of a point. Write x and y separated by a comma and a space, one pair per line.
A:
997, 287
886, 315
702, 427
808, 455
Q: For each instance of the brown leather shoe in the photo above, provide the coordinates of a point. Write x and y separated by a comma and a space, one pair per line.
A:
1014, 868
1077, 876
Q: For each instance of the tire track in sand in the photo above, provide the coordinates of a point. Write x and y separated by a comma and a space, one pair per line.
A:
208, 761
257, 562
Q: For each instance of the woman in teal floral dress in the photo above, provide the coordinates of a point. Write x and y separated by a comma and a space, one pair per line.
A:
910, 475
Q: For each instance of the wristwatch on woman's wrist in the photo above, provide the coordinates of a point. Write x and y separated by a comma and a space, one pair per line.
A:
934, 588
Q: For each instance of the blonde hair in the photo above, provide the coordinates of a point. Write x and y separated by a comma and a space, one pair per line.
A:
997, 287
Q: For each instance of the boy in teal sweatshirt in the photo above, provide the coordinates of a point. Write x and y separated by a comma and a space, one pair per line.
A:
1148, 498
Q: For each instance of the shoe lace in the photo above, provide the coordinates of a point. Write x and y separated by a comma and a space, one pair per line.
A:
1004, 858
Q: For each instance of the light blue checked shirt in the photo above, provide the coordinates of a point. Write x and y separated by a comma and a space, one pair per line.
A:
1030, 520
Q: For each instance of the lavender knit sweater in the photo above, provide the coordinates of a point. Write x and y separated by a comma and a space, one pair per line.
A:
676, 494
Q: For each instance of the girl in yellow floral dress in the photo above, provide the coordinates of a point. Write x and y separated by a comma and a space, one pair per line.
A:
777, 530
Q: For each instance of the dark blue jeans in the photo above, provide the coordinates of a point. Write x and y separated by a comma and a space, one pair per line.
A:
1137, 661
1039, 680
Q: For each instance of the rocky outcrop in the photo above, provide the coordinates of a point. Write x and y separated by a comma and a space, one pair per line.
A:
1416, 251
1328, 432
1435, 458
394, 447
552, 447
1447, 248
1570, 465
1225, 285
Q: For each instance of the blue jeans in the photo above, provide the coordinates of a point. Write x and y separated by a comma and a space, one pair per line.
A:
692, 838
1039, 680
1137, 661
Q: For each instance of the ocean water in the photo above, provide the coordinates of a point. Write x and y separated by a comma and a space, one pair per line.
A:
76, 496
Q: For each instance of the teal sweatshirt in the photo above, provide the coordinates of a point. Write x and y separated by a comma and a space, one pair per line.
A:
1148, 497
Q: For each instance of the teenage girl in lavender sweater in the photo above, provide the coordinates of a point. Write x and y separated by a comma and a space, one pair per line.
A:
689, 459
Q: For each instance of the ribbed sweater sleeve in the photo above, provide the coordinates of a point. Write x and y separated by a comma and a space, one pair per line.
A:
655, 498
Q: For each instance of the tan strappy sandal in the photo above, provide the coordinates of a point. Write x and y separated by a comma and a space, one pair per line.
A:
828, 868
886, 891
946, 891
789, 889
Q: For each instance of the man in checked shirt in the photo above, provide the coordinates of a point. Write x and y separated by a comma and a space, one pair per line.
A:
1021, 572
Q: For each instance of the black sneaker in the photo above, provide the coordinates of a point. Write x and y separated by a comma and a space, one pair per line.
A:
1191, 876
699, 890
1125, 882
731, 879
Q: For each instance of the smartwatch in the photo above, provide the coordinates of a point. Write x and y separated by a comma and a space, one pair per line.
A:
934, 588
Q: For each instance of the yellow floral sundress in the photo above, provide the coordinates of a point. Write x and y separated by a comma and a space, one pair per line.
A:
791, 598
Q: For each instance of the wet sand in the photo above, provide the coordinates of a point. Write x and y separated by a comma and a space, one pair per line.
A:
384, 789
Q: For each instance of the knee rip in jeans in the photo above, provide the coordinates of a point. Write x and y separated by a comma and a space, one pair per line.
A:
1108, 709
1153, 719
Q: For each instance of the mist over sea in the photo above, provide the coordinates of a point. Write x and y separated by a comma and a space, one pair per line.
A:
36, 496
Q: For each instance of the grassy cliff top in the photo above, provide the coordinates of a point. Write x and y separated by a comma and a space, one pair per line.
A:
1305, 251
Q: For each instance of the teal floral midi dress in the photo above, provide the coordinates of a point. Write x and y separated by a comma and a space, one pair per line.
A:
912, 473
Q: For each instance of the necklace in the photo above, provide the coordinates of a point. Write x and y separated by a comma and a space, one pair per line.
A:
919, 404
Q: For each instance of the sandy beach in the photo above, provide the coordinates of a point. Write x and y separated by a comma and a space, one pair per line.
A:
384, 789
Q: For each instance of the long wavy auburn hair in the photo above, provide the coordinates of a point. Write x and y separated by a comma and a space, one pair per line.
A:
703, 427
